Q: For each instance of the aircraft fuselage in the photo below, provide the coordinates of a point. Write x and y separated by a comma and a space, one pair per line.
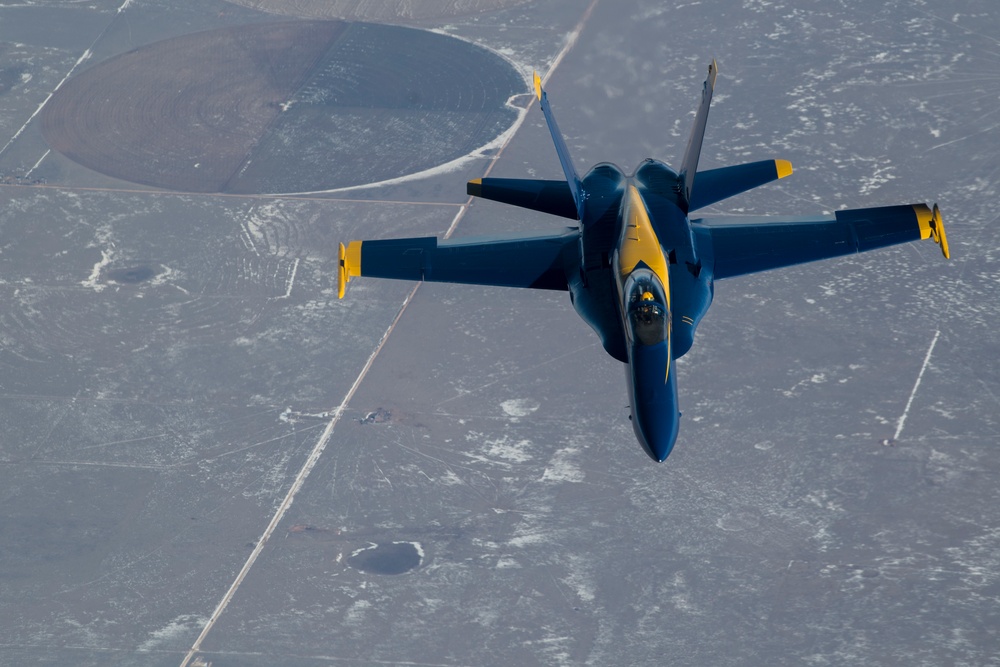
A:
638, 248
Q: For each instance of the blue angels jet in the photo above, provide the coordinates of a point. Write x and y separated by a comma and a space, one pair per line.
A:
638, 268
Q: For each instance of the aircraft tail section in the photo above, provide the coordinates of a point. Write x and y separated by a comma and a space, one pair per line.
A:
553, 197
714, 185
572, 179
689, 166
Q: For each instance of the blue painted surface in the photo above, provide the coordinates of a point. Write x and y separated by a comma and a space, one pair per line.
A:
714, 185
653, 396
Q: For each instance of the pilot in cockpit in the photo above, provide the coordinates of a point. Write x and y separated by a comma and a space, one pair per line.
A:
647, 313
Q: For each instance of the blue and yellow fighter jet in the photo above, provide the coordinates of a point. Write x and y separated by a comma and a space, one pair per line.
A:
637, 267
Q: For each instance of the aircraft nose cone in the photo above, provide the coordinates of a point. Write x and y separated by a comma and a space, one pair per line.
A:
657, 432
658, 452
655, 417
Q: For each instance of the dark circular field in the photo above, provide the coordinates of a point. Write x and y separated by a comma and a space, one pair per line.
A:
392, 11
285, 107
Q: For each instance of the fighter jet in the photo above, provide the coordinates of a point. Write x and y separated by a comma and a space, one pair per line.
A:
638, 268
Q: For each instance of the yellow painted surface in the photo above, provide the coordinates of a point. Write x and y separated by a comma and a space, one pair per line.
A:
349, 265
784, 168
939, 234
352, 261
924, 218
640, 243
932, 226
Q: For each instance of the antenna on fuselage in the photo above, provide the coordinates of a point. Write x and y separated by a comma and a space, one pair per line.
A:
564, 159
689, 166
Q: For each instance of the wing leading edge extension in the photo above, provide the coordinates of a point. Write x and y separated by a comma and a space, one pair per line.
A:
537, 261
747, 245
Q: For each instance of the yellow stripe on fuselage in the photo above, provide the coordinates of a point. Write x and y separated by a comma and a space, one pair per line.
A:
639, 242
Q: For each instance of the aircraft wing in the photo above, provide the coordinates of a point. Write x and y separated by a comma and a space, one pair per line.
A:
535, 261
748, 245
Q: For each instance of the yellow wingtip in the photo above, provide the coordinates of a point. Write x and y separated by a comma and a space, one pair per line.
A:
341, 272
784, 168
538, 86
349, 265
940, 236
932, 226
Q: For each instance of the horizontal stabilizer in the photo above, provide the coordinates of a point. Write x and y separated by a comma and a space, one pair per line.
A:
536, 261
739, 246
553, 197
714, 185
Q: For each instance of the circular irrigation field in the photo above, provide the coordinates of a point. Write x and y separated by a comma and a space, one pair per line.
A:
284, 107
390, 11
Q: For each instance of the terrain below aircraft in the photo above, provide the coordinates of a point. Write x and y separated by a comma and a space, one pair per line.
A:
638, 268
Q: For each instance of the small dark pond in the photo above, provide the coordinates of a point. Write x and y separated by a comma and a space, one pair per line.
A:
392, 558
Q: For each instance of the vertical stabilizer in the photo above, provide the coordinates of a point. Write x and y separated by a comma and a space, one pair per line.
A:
563, 152
689, 166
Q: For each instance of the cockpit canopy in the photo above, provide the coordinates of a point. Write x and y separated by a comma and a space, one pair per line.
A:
645, 302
